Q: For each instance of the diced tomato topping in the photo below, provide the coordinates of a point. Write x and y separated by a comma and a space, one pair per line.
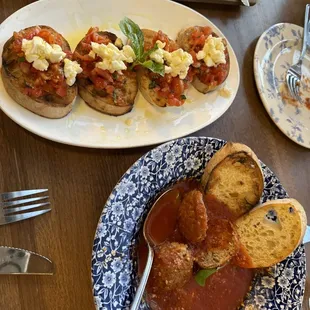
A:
93, 36
40, 82
85, 57
104, 74
99, 82
199, 36
25, 67
170, 46
33, 92
177, 86
103, 80
170, 87
110, 89
190, 75
213, 75
62, 90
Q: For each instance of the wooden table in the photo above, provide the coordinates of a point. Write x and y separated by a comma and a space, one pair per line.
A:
80, 180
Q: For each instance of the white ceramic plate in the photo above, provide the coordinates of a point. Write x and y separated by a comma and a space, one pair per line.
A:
146, 124
277, 49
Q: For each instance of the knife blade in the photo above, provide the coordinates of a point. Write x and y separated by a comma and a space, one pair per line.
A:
23, 262
245, 2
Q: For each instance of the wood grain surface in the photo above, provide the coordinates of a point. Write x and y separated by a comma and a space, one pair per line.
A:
80, 180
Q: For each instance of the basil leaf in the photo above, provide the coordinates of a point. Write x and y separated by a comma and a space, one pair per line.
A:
21, 59
133, 32
154, 67
202, 275
183, 97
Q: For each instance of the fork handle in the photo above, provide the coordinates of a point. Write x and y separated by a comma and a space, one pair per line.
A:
306, 40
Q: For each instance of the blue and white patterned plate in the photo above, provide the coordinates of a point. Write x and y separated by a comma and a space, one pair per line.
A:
276, 50
114, 267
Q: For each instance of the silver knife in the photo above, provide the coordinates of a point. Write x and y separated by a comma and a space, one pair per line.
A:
245, 2
23, 262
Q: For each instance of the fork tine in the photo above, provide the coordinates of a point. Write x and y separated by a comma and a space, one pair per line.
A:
18, 209
19, 217
19, 202
291, 83
12, 195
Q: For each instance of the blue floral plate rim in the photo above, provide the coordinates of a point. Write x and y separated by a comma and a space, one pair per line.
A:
292, 123
114, 275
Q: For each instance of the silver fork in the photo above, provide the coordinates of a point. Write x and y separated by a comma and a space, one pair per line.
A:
293, 75
12, 210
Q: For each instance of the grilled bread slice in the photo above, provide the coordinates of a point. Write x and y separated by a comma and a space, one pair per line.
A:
147, 79
116, 102
234, 177
270, 232
213, 81
15, 80
144, 77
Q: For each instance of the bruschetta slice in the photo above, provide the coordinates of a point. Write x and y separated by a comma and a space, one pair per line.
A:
33, 71
169, 89
210, 55
106, 83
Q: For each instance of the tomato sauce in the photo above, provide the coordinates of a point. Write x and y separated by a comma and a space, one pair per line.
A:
224, 290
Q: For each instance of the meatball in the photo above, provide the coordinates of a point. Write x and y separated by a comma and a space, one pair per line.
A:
173, 265
193, 220
220, 245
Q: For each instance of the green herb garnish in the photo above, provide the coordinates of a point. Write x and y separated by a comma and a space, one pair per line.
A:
21, 59
114, 75
152, 84
133, 32
202, 275
183, 97
114, 96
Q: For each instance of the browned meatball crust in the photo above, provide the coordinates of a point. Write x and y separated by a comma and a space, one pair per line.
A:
220, 245
173, 265
193, 219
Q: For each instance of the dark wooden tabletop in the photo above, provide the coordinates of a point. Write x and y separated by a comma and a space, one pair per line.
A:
80, 180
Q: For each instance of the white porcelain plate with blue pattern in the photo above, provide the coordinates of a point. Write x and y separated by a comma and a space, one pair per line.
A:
114, 267
277, 49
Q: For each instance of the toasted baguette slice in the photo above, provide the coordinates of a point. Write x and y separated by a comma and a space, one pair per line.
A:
184, 39
234, 177
144, 76
50, 105
270, 232
101, 100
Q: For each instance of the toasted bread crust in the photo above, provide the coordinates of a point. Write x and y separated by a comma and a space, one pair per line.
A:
143, 74
228, 149
41, 107
299, 208
265, 242
103, 102
50, 106
238, 198
149, 94
183, 40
